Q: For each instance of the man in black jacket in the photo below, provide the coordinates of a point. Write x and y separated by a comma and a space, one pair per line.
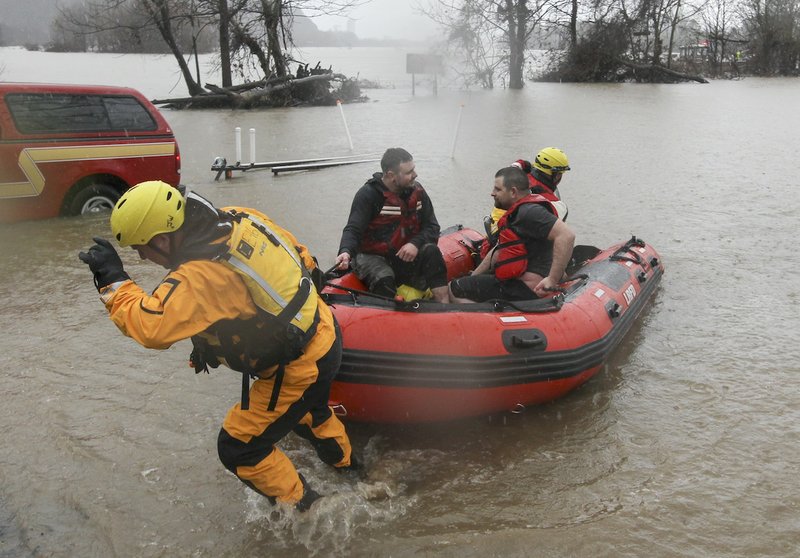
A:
392, 233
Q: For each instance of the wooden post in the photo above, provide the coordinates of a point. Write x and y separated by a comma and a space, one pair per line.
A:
346, 129
455, 134
237, 136
252, 146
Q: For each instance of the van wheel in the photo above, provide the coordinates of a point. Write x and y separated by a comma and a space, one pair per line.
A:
94, 198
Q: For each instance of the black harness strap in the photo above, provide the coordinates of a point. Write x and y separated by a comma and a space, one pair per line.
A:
245, 391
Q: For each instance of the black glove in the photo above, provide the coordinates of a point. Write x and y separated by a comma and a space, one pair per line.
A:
104, 262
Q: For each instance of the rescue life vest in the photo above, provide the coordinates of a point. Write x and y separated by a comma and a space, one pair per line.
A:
537, 186
282, 290
511, 255
539, 182
397, 223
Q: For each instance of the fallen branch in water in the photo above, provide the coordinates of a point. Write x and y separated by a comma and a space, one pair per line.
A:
285, 91
663, 70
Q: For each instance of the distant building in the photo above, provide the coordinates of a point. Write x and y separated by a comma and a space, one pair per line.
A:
698, 51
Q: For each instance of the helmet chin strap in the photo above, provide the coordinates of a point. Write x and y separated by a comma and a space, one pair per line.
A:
166, 254
160, 252
173, 249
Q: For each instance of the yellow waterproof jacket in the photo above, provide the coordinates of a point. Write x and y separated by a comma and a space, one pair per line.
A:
209, 300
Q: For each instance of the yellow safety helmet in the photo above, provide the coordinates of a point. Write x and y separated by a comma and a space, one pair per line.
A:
550, 160
147, 209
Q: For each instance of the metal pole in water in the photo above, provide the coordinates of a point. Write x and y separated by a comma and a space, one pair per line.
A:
237, 136
346, 129
252, 145
455, 134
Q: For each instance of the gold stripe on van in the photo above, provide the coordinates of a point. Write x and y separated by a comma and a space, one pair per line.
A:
30, 158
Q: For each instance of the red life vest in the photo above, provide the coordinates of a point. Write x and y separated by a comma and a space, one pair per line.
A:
397, 223
511, 255
537, 186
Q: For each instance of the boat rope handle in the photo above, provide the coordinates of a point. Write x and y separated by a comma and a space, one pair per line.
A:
626, 249
555, 289
474, 254
406, 304
575, 277
569, 279
501, 305
358, 291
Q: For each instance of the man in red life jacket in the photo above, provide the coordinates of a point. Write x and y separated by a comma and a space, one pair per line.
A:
533, 248
544, 176
392, 233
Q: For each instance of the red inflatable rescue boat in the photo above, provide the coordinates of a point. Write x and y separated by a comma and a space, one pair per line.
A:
422, 361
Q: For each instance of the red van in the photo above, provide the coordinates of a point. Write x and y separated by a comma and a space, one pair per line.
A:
74, 149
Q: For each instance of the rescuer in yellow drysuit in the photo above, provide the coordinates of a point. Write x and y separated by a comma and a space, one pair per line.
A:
241, 288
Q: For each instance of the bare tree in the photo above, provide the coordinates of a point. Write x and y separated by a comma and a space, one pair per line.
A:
246, 28
115, 18
683, 11
163, 14
261, 29
224, 27
491, 35
718, 19
773, 28
471, 41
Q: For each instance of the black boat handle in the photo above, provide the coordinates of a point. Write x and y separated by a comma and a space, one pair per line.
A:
524, 340
523, 343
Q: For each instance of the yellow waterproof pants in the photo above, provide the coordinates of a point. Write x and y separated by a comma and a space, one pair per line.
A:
294, 398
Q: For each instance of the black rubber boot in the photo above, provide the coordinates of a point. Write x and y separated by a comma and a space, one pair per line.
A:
354, 471
309, 497
384, 287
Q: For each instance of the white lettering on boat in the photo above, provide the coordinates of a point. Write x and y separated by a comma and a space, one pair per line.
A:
629, 294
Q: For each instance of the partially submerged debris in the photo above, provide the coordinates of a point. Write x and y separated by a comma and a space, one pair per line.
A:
322, 89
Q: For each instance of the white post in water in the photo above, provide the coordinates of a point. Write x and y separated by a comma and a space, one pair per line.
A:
237, 136
346, 129
455, 134
252, 146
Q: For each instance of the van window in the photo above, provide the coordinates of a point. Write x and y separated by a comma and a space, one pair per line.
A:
41, 113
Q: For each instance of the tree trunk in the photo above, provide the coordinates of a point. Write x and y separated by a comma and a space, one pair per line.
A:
273, 12
656, 19
663, 70
516, 21
254, 47
673, 26
225, 43
573, 25
237, 97
159, 11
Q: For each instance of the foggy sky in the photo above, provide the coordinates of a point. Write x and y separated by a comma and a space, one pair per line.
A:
379, 19
27, 21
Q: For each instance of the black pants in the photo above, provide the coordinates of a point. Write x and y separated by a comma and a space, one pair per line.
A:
428, 269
